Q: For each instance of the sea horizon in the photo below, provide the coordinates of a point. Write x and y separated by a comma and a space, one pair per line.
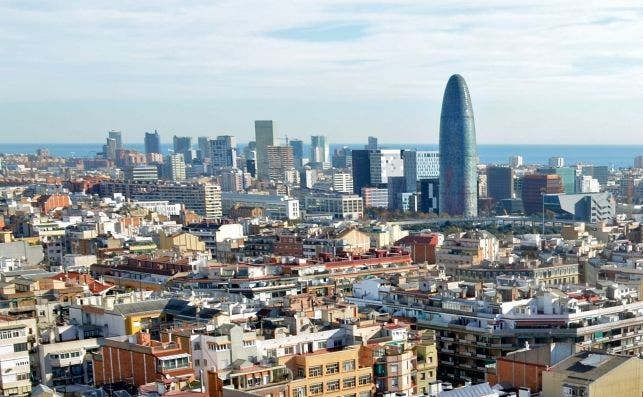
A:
618, 155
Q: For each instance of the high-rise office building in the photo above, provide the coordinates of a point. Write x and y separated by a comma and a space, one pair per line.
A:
264, 137
374, 167
419, 164
223, 152
203, 143
567, 176
361, 169
396, 186
118, 137
500, 182
599, 172
534, 186
319, 149
556, 161
429, 194
297, 152
280, 160
183, 145
152, 142
385, 163
372, 143
638, 162
458, 174
109, 149
342, 158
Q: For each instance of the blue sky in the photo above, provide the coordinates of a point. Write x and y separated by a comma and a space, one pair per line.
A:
538, 71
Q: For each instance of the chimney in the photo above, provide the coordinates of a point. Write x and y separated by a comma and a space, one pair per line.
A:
215, 385
143, 338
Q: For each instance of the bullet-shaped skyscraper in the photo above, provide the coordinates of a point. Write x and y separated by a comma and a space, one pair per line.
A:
458, 158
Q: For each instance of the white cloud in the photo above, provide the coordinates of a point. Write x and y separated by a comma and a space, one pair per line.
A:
172, 50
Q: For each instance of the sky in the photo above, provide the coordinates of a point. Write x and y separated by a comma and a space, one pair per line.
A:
538, 71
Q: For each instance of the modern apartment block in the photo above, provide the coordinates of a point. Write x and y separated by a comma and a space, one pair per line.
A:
204, 199
275, 206
141, 173
340, 206
280, 160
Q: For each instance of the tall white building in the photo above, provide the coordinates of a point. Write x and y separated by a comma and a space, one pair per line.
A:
264, 137
343, 182
176, 167
232, 180
319, 150
384, 164
587, 184
420, 165
515, 161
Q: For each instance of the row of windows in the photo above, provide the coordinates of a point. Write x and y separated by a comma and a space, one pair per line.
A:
317, 389
65, 355
332, 368
12, 334
217, 347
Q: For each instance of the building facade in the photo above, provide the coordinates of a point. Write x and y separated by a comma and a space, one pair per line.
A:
458, 156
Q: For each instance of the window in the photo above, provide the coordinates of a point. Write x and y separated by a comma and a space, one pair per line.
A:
322, 344
332, 385
19, 347
349, 365
317, 388
22, 376
299, 392
348, 383
271, 352
288, 350
365, 380
423, 376
332, 368
248, 343
301, 372
365, 394
197, 346
394, 382
197, 362
394, 368
315, 371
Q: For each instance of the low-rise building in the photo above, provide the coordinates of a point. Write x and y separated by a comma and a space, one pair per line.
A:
594, 374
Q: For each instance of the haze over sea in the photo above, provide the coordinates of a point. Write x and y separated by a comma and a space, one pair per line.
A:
611, 155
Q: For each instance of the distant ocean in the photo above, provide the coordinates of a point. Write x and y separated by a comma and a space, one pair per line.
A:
610, 155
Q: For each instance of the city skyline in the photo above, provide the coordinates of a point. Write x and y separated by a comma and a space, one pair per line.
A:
347, 70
